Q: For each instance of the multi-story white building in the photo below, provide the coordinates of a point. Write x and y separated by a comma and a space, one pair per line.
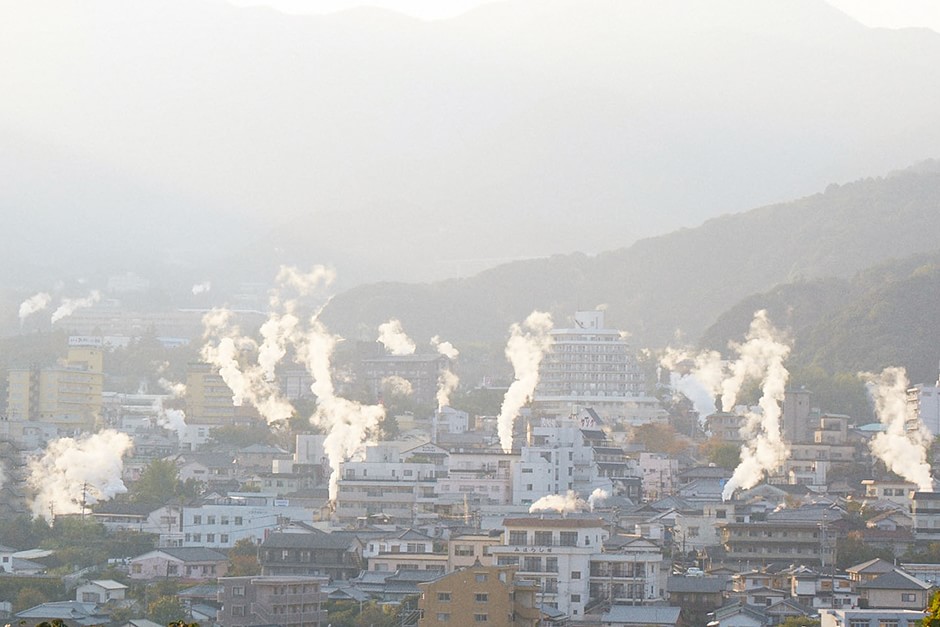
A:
383, 483
923, 403
562, 455
590, 365
567, 560
658, 472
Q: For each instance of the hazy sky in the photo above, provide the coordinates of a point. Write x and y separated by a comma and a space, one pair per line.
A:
879, 13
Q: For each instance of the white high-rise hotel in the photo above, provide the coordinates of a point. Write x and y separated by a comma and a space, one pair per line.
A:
591, 366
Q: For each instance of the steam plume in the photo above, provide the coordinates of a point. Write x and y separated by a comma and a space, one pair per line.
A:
33, 304
397, 386
393, 337
902, 450
200, 288
305, 283
73, 471
761, 356
702, 383
447, 381
350, 425
596, 497
528, 344
68, 306
568, 503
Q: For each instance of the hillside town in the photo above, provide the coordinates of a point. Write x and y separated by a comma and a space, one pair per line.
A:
610, 498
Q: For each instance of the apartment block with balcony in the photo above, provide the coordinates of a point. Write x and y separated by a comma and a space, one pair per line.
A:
925, 511
555, 554
337, 555
283, 601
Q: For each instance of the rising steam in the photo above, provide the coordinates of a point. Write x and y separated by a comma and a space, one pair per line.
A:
75, 471
68, 306
760, 357
34, 304
566, 504
447, 381
393, 337
350, 425
597, 496
903, 450
397, 386
200, 288
528, 344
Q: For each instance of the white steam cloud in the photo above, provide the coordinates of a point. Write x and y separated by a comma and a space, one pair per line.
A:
701, 383
447, 381
68, 306
597, 496
528, 343
350, 425
568, 503
75, 471
34, 304
201, 288
760, 357
397, 386
255, 383
393, 337
903, 450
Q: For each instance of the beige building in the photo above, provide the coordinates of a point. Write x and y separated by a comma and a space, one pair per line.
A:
283, 601
209, 399
469, 548
478, 594
61, 400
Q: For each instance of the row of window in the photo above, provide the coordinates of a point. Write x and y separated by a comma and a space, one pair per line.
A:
223, 520
210, 538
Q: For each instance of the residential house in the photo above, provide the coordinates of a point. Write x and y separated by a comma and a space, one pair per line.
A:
100, 591
337, 555
640, 616
894, 590
182, 563
870, 618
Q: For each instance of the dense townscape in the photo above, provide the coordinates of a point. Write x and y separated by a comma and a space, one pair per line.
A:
601, 488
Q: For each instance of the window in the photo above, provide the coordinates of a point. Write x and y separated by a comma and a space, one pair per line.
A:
197, 537
481, 597
518, 538
575, 598
551, 564
481, 577
908, 596
238, 610
463, 550
568, 538
443, 617
543, 538
238, 520
576, 574
172, 569
480, 618
224, 538
210, 520
136, 569
443, 597
885, 622
858, 622
210, 537
238, 591
197, 520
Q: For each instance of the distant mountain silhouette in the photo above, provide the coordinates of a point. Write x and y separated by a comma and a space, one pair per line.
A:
669, 289
225, 140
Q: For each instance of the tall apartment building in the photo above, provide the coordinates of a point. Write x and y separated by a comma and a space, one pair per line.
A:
923, 403
421, 371
798, 420
284, 601
209, 399
590, 365
66, 397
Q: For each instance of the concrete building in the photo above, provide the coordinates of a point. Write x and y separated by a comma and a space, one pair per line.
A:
590, 365
100, 591
383, 483
923, 403
284, 601
188, 564
209, 400
869, 618
468, 549
57, 401
479, 594
421, 371
798, 420
562, 455
337, 555
925, 511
